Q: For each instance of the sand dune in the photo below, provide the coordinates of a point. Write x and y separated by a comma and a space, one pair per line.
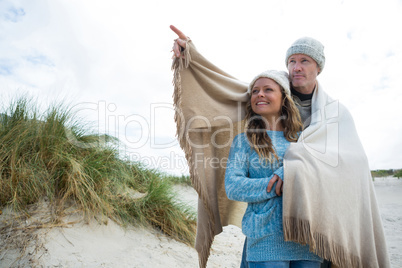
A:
95, 245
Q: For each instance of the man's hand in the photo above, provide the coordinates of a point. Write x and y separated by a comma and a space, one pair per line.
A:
278, 187
180, 43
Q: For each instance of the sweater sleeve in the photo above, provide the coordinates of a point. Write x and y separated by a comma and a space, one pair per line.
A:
279, 172
238, 185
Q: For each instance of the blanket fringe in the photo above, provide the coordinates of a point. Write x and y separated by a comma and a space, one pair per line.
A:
178, 65
204, 251
298, 230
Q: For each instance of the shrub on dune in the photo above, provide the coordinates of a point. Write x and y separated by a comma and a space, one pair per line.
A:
53, 156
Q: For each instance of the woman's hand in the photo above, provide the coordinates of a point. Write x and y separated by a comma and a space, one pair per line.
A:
278, 187
180, 43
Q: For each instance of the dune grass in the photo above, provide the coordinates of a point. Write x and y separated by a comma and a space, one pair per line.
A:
53, 155
183, 180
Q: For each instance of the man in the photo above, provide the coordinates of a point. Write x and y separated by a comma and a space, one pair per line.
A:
329, 192
305, 60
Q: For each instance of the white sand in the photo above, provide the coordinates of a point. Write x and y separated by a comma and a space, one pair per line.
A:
389, 197
96, 245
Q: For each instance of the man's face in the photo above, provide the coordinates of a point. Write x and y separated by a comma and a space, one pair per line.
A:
303, 71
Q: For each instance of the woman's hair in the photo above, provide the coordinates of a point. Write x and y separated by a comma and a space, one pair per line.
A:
256, 127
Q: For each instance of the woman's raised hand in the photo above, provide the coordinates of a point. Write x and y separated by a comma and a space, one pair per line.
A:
180, 42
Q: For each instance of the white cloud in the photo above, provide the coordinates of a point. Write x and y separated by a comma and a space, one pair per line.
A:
119, 53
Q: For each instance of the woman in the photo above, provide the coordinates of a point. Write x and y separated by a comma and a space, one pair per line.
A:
272, 122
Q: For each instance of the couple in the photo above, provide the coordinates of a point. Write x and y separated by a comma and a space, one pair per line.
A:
328, 209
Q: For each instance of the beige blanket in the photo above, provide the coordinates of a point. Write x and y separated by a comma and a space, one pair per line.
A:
329, 200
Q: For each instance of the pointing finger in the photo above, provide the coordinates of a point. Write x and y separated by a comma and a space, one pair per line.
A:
179, 33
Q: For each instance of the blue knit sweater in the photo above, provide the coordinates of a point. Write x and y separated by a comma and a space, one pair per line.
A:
246, 180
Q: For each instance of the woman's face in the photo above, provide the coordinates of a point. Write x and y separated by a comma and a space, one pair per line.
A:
266, 98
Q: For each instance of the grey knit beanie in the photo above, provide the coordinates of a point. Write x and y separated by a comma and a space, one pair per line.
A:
310, 47
279, 77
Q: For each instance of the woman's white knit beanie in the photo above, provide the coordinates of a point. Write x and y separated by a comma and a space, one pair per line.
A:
279, 77
310, 47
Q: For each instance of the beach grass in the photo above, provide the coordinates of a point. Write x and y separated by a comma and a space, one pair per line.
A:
181, 180
380, 173
54, 155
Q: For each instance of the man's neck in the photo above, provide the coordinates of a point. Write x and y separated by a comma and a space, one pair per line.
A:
302, 96
308, 89
303, 93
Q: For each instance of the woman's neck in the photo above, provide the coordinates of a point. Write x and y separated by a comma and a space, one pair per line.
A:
274, 124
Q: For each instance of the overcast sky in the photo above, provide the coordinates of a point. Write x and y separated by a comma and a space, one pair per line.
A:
111, 61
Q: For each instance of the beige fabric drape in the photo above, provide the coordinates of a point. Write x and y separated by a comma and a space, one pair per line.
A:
209, 108
329, 201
